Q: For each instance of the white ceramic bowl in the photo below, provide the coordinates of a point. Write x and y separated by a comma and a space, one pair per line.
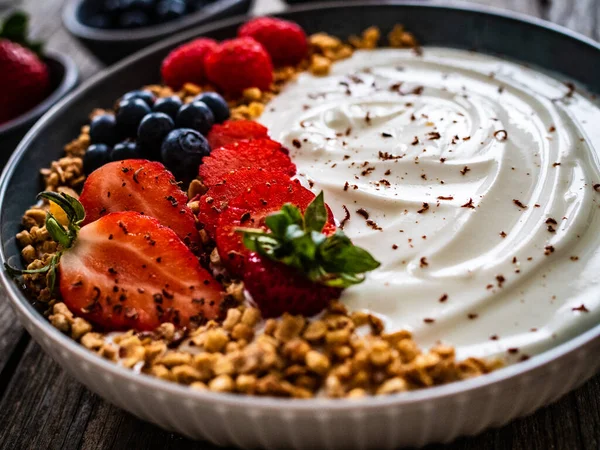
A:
416, 418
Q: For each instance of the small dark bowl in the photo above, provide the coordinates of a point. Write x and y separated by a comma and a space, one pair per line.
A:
111, 45
63, 78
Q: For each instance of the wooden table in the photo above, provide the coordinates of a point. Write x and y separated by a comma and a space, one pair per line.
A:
43, 407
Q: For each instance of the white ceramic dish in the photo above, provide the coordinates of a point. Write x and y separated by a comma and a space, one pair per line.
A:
416, 418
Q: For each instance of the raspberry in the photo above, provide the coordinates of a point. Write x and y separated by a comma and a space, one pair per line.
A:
239, 64
284, 41
186, 64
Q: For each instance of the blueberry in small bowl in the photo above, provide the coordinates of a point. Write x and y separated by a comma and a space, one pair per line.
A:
113, 29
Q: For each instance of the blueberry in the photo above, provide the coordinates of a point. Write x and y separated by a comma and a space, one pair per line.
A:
153, 129
147, 96
133, 19
103, 129
113, 7
125, 150
182, 152
102, 21
197, 116
168, 105
217, 105
95, 157
130, 114
170, 9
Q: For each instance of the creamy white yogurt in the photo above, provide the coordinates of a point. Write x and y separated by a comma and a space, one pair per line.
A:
415, 141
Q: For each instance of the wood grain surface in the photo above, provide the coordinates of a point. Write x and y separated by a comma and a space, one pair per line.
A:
41, 407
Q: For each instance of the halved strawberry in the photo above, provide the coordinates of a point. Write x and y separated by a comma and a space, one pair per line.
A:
233, 131
142, 186
126, 271
250, 210
255, 153
232, 184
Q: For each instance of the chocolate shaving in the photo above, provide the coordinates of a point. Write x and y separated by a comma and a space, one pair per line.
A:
363, 212
443, 298
581, 308
519, 203
501, 135
346, 217
374, 225
465, 170
433, 136
441, 197
469, 204
424, 208
423, 262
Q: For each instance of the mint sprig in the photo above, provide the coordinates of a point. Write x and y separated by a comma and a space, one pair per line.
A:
297, 240
63, 236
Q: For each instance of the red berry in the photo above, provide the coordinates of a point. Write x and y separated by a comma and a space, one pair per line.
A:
238, 64
255, 153
233, 131
24, 80
285, 41
126, 270
249, 210
232, 184
186, 64
277, 289
142, 186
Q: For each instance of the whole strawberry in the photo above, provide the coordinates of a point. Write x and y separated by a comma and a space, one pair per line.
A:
24, 77
299, 265
277, 289
285, 41
185, 64
238, 64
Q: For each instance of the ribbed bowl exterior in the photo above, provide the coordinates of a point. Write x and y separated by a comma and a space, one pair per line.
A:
330, 424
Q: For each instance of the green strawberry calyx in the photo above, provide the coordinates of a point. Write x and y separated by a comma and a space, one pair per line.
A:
298, 241
16, 29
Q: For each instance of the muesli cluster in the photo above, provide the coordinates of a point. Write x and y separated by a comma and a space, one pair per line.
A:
266, 347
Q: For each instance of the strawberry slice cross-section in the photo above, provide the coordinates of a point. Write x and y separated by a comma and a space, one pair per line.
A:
142, 186
231, 185
263, 153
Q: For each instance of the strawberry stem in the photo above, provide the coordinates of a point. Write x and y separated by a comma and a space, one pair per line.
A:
298, 240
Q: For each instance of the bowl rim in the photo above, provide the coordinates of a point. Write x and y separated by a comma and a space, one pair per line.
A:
76, 27
26, 309
67, 83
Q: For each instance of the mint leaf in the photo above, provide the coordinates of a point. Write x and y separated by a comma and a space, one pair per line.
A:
315, 216
293, 213
278, 223
297, 241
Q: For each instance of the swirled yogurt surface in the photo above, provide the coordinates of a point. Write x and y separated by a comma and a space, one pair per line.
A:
471, 179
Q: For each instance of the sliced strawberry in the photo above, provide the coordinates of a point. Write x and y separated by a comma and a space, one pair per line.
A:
233, 131
126, 270
230, 186
249, 210
277, 288
142, 186
255, 153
